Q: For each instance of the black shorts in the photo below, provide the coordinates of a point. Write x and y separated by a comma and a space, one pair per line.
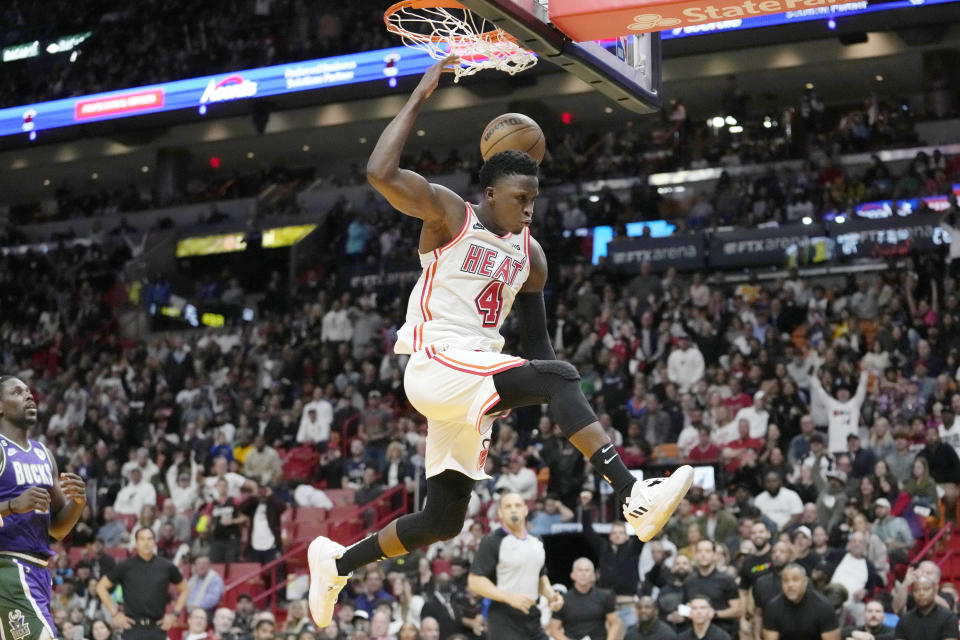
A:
144, 632
506, 623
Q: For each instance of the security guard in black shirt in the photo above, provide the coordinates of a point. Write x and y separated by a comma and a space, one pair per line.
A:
929, 621
800, 612
145, 579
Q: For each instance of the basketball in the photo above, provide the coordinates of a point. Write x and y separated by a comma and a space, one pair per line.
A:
513, 131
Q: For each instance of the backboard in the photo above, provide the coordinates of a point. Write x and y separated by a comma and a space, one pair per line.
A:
626, 69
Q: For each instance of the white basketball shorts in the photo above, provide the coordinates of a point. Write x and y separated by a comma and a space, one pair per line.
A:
454, 389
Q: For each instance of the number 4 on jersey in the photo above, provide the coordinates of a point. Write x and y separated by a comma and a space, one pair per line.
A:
490, 303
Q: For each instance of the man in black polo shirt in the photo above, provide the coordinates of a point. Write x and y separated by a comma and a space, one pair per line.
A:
702, 625
715, 585
929, 621
800, 612
508, 569
145, 579
587, 611
767, 587
754, 565
649, 625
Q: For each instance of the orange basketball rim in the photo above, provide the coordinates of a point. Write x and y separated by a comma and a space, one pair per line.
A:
442, 27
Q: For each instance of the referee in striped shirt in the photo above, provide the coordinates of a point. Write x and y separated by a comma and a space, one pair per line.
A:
508, 569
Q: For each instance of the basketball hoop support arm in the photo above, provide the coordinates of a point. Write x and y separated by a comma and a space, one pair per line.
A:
528, 22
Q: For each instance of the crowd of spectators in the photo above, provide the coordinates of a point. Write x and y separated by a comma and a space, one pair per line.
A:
150, 42
827, 406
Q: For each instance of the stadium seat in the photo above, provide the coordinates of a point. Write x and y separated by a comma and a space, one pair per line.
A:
128, 520
346, 531
340, 496
666, 451
220, 568
250, 578
240, 570
76, 554
543, 479
310, 514
309, 530
117, 553
339, 512
301, 463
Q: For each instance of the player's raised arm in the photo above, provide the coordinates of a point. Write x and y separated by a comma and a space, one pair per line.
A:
408, 191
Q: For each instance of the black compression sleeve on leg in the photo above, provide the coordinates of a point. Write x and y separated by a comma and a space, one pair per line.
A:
533, 326
546, 381
448, 495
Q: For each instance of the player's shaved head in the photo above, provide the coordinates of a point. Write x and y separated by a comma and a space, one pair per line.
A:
17, 405
507, 163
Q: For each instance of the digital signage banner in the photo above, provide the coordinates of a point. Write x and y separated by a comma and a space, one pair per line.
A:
685, 252
757, 246
826, 11
205, 93
890, 237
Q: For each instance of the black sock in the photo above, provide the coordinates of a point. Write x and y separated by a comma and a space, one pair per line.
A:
608, 463
364, 552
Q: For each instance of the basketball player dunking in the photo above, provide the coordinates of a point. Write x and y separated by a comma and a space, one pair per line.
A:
36, 503
478, 263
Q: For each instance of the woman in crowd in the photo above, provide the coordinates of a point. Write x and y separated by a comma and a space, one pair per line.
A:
922, 487
868, 490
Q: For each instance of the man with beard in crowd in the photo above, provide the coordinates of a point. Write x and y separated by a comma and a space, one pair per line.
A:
800, 612
873, 627
767, 587
649, 626
671, 589
754, 565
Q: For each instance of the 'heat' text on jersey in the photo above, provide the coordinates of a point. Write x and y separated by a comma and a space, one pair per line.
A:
481, 260
37, 474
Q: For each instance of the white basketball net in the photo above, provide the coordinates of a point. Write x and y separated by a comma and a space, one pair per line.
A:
453, 28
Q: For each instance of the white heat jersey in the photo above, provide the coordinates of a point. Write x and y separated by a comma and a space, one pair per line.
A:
466, 290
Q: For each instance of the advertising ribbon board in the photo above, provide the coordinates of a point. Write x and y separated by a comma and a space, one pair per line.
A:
758, 247
684, 251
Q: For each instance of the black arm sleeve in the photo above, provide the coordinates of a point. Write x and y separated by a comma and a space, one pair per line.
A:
533, 326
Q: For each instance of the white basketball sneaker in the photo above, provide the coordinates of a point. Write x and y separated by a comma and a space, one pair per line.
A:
654, 500
325, 583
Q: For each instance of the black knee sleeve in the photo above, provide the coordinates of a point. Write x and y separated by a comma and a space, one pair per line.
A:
554, 382
448, 496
